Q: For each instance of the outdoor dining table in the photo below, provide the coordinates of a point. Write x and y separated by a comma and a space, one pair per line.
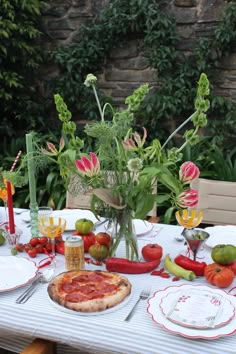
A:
107, 333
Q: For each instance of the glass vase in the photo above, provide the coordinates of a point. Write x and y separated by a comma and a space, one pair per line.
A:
123, 230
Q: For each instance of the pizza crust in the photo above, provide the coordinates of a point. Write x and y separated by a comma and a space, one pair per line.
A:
60, 289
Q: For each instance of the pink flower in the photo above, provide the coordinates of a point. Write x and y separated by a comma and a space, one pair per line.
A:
188, 199
130, 145
188, 172
52, 148
88, 167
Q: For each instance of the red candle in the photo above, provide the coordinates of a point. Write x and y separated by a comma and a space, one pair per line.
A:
10, 209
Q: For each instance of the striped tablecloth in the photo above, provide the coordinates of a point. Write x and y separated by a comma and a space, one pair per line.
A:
108, 333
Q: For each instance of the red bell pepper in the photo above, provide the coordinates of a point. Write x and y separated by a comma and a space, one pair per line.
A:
122, 265
196, 267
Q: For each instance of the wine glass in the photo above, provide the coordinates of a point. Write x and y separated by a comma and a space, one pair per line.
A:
51, 227
189, 219
44, 211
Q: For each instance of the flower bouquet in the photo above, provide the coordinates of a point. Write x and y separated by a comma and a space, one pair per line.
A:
124, 169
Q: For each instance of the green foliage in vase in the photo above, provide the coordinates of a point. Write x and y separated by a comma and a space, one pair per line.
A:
123, 171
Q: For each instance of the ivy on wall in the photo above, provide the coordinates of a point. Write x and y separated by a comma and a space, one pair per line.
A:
176, 76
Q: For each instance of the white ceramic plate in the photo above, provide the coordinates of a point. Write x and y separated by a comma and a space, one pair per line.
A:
158, 317
72, 215
16, 272
141, 227
197, 308
221, 235
98, 313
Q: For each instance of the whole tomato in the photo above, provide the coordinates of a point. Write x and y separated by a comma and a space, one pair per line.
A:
223, 254
103, 238
88, 239
152, 251
218, 275
232, 266
98, 252
84, 226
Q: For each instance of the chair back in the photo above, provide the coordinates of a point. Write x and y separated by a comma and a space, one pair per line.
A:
217, 200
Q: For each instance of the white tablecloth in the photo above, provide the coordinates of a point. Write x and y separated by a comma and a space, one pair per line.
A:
103, 334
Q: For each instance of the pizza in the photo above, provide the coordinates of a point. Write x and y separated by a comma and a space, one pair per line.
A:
89, 291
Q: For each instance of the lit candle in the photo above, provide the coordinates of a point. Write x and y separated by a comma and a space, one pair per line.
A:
31, 169
10, 209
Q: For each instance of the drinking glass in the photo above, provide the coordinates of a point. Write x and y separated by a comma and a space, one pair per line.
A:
51, 227
44, 211
189, 219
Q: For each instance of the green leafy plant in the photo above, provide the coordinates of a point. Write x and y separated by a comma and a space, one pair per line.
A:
21, 57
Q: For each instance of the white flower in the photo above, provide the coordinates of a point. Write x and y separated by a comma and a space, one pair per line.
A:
90, 80
135, 165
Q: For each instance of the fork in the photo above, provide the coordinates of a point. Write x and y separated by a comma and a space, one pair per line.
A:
143, 296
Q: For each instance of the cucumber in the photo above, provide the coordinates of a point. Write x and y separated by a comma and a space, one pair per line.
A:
175, 269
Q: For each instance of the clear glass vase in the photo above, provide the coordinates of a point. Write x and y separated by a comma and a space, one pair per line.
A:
123, 230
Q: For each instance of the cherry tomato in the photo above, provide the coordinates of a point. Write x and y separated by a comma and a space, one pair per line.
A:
32, 253
39, 248
34, 241
152, 251
103, 238
19, 247
43, 240
48, 247
27, 247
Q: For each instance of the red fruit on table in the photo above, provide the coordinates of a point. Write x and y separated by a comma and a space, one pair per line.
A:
43, 240
48, 247
39, 248
32, 253
34, 241
103, 238
19, 247
98, 252
27, 247
152, 251
88, 239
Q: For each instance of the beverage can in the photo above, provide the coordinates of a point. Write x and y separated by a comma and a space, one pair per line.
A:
74, 253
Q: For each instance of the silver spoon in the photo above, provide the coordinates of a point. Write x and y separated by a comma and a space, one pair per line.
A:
43, 277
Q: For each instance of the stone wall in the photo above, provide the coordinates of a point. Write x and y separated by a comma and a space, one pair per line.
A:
126, 68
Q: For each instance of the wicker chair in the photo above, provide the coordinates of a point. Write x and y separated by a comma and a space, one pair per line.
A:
217, 200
